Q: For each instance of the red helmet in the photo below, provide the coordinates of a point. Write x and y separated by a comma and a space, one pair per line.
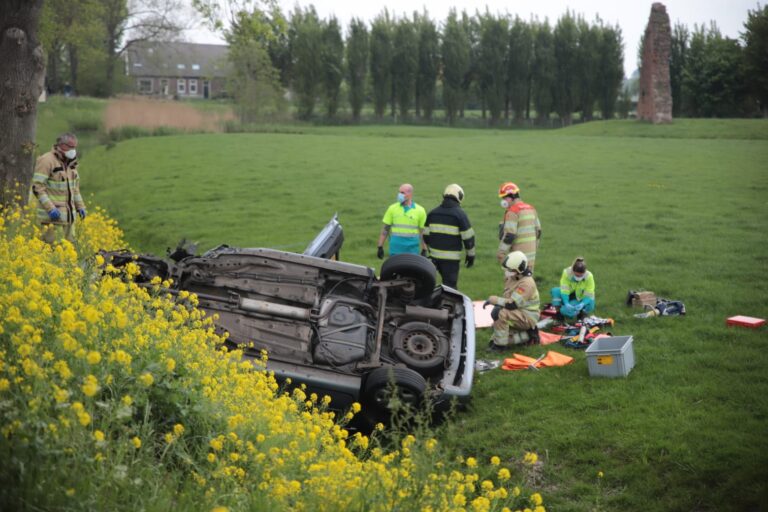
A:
508, 189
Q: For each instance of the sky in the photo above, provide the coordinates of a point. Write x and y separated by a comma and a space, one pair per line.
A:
631, 16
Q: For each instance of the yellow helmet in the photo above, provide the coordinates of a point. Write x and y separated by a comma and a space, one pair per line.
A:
455, 191
508, 189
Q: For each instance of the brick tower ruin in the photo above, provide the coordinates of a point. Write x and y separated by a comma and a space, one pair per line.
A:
655, 102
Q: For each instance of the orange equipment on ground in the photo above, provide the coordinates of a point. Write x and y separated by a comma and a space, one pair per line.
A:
521, 362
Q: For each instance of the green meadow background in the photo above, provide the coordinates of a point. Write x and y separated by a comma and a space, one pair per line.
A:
680, 209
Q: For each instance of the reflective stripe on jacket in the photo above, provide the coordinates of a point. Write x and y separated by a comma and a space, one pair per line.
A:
405, 222
525, 294
56, 184
447, 230
583, 289
521, 222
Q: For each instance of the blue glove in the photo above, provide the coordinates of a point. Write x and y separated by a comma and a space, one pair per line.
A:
54, 214
81, 211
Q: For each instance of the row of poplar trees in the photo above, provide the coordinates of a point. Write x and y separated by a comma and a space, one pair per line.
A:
713, 75
409, 67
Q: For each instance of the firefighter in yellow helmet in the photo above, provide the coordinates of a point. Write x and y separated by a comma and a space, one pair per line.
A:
520, 230
516, 313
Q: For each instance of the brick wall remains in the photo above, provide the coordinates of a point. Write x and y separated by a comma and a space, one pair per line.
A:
655, 102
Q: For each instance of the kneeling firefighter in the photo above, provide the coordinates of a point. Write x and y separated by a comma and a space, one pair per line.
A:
518, 309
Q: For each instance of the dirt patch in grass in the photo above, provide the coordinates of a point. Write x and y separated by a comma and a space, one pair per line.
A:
149, 113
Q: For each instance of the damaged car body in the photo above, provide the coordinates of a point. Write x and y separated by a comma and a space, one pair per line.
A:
332, 325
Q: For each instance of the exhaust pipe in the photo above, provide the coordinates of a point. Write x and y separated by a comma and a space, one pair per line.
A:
271, 308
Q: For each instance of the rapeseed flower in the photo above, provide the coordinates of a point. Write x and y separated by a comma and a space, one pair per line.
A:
77, 324
147, 379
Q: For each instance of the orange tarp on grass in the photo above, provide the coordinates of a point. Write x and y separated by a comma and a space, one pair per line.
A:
521, 362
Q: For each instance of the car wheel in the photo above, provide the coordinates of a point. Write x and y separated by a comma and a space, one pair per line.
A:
414, 267
378, 387
420, 346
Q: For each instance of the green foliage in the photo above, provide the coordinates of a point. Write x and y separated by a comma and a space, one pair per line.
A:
357, 65
254, 83
610, 72
714, 78
306, 40
455, 52
332, 62
756, 54
381, 61
72, 36
405, 61
543, 70
588, 69
677, 63
255, 80
519, 64
565, 90
492, 70
428, 66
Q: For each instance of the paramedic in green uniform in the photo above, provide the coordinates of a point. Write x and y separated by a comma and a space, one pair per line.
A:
403, 224
576, 294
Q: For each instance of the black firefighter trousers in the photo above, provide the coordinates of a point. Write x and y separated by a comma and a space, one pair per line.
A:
449, 271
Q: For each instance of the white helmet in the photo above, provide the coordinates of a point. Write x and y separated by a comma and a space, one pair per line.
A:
455, 191
516, 260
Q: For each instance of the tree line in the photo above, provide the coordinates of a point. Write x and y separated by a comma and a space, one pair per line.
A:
406, 67
84, 40
716, 76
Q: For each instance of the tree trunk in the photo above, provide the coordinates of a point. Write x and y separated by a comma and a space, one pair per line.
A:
22, 74
74, 61
52, 78
110, 73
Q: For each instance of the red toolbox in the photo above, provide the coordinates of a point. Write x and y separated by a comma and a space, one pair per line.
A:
745, 321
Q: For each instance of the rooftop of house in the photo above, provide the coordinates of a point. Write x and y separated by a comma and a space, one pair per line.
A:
173, 59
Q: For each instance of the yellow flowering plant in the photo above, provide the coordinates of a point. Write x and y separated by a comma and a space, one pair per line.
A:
105, 385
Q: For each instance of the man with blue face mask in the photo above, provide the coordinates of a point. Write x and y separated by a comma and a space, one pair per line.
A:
403, 224
576, 294
56, 185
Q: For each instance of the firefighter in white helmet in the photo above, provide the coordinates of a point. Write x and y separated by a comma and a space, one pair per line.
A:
518, 309
446, 231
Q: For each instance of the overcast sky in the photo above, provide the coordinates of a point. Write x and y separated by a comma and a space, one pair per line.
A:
631, 16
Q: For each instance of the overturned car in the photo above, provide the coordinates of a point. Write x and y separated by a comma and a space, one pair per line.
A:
332, 325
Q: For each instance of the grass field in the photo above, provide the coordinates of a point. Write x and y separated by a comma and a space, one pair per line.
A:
680, 210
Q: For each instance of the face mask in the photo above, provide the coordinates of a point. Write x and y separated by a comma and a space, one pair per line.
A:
510, 275
400, 197
505, 203
577, 278
72, 153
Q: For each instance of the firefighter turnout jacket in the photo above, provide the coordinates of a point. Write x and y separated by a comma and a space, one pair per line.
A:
523, 292
448, 229
520, 231
56, 185
520, 316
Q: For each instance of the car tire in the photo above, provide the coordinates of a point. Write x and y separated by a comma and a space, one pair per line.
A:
414, 267
377, 390
421, 346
